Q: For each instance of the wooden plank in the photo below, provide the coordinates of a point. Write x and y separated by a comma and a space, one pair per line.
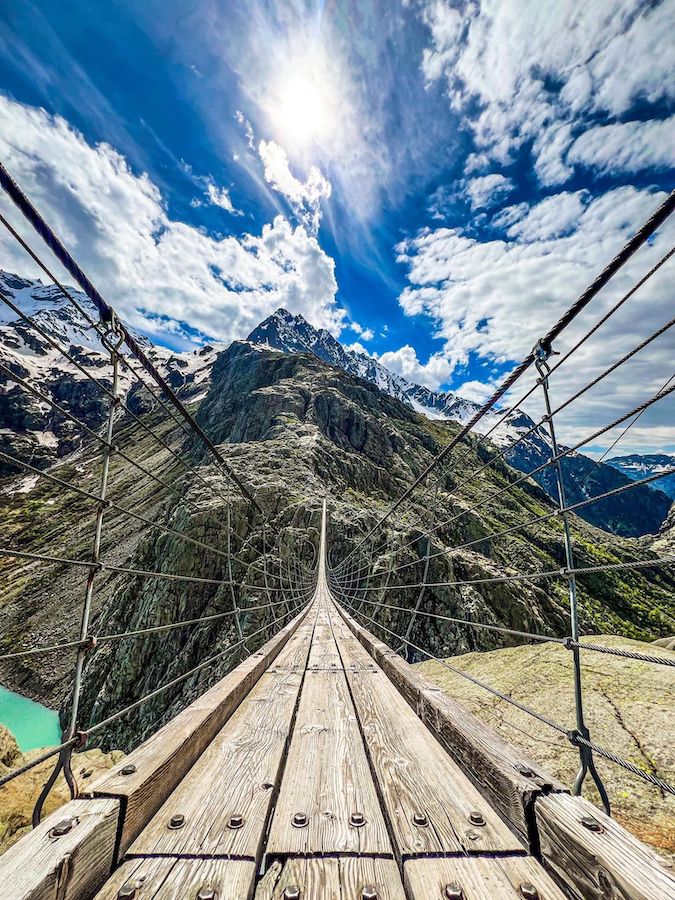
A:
163, 760
170, 879
327, 778
479, 878
332, 879
504, 775
416, 777
596, 864
72, 866
235, 776
324, 653
352, 653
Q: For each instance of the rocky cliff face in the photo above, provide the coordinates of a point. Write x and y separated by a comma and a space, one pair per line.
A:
296, 429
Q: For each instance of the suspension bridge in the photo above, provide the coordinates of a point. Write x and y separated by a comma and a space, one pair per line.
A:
322, 765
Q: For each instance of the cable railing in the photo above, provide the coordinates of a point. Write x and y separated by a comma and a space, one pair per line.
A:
267, 584
399, 563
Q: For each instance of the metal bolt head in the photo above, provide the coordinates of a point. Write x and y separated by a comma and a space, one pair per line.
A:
420, 819
357, 819
129, 769
236, 821
292, 892
528, 891
592, 824
177, 821
369, 892
473, 835
453, 892
207, 893
62, 827
524, 770
300, 820
476, 817
127, 891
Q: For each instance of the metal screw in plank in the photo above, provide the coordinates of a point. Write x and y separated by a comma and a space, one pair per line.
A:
177, 821
292, 892
420, 819
526, 772
473, 835
300, 820
369, 893
453, 892
127, 891
236, 821
476, 817
207, 893
129, 769
528, 891
62, 827
592, 824
357, 819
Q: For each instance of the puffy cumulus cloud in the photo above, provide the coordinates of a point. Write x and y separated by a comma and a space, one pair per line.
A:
404, 361
534, 70
488, 190
155, 269
626, 146
304, 196
492, 300
552, 217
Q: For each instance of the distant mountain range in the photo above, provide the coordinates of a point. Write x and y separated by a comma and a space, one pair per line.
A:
638, 466
29, 428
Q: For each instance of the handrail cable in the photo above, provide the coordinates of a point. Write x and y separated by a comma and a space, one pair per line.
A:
573, 736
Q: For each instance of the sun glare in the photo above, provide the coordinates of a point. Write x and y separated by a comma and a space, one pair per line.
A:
303, 109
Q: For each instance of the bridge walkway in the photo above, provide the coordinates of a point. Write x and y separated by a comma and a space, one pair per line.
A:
323, 767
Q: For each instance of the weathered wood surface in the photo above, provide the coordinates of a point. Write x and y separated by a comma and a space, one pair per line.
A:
235, 776
596, 864
352, 653
324, 653
164, 759
508, 779
45, 866
416, 777
327, 778
479, 878
172, 879
332, 879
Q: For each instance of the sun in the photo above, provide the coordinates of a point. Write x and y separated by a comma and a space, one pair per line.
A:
303, 109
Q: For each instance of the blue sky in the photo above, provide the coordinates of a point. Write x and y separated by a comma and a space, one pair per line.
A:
433, 180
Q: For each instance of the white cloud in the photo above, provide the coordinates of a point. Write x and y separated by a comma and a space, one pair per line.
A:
626, 146
492, 300
366, 333
220, 196
357, 347
487, 190
116, 225
552, 217
304, 196
532, 69
404, 361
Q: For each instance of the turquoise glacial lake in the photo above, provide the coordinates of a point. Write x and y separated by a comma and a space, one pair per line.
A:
32, 724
